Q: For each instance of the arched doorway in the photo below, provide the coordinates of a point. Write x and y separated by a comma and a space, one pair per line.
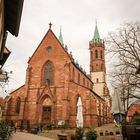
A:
47, 111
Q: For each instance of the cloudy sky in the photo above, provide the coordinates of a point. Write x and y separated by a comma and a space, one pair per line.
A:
77, 19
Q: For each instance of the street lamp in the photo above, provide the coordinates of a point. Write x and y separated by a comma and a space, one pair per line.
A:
4, 75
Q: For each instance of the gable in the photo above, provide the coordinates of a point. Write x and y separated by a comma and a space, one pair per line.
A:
49, 45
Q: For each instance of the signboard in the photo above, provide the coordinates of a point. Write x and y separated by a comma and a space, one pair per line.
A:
61, 122
3, 77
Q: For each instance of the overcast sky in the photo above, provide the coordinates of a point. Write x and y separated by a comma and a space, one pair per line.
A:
77, 19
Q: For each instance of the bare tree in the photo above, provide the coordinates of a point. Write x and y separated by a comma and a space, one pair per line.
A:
124, 46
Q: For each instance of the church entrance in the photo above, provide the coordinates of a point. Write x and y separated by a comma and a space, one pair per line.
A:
46, 114
47, 111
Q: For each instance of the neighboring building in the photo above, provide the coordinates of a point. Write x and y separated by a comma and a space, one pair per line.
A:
133, 109
2, 103
54, 81
10, 15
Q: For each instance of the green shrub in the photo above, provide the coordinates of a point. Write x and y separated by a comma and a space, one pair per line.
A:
79, 134
49, 126
91, 135
5, 131
136, 119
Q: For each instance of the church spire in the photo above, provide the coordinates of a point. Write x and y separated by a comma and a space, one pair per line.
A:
96, 37
61, 38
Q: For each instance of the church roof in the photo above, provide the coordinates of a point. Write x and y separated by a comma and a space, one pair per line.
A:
96, 36
60, 40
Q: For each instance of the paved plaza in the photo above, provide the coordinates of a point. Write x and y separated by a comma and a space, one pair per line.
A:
28, 136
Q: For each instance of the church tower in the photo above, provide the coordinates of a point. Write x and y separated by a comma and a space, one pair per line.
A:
97, 63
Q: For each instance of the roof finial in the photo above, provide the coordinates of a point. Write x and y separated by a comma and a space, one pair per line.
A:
96, 21
50, 25
60, 29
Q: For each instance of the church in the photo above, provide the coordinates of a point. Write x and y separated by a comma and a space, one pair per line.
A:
54, 82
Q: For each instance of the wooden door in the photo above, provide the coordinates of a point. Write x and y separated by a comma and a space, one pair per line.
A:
46, 114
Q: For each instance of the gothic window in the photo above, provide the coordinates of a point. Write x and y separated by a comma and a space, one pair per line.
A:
49, 73
91, 55
76, 103
87, 84
83, 81
18, 102
102, 66
96, 66
97, 80
73, 74
101, 54
78, 78
96, 54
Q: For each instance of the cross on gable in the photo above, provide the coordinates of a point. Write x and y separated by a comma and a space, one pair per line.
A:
50, 25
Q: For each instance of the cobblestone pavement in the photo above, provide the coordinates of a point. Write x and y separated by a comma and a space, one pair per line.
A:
28, 136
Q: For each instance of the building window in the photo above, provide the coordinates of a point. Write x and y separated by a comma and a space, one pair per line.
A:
73, 74
97, 80
96, 54
83, 81
101, 54
78, 78
49, 49
102, 66
49, 73
87, 84
18, 102
76, 103
91, 55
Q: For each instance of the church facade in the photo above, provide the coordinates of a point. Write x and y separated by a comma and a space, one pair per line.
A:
54, 81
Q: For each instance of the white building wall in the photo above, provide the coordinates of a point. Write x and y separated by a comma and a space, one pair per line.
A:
98, 79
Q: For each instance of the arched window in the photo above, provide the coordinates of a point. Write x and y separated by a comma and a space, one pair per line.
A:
96, 54
84, 81
49, 73
87, 84
76, 103
73, 74
96, 67
102, 66
97, 80
78, 78
18, 102
101, 54
91, 55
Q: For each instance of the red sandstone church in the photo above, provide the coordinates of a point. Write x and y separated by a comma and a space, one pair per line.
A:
54, 81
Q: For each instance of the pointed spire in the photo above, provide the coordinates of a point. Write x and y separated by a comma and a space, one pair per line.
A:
96, 37
61, 38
